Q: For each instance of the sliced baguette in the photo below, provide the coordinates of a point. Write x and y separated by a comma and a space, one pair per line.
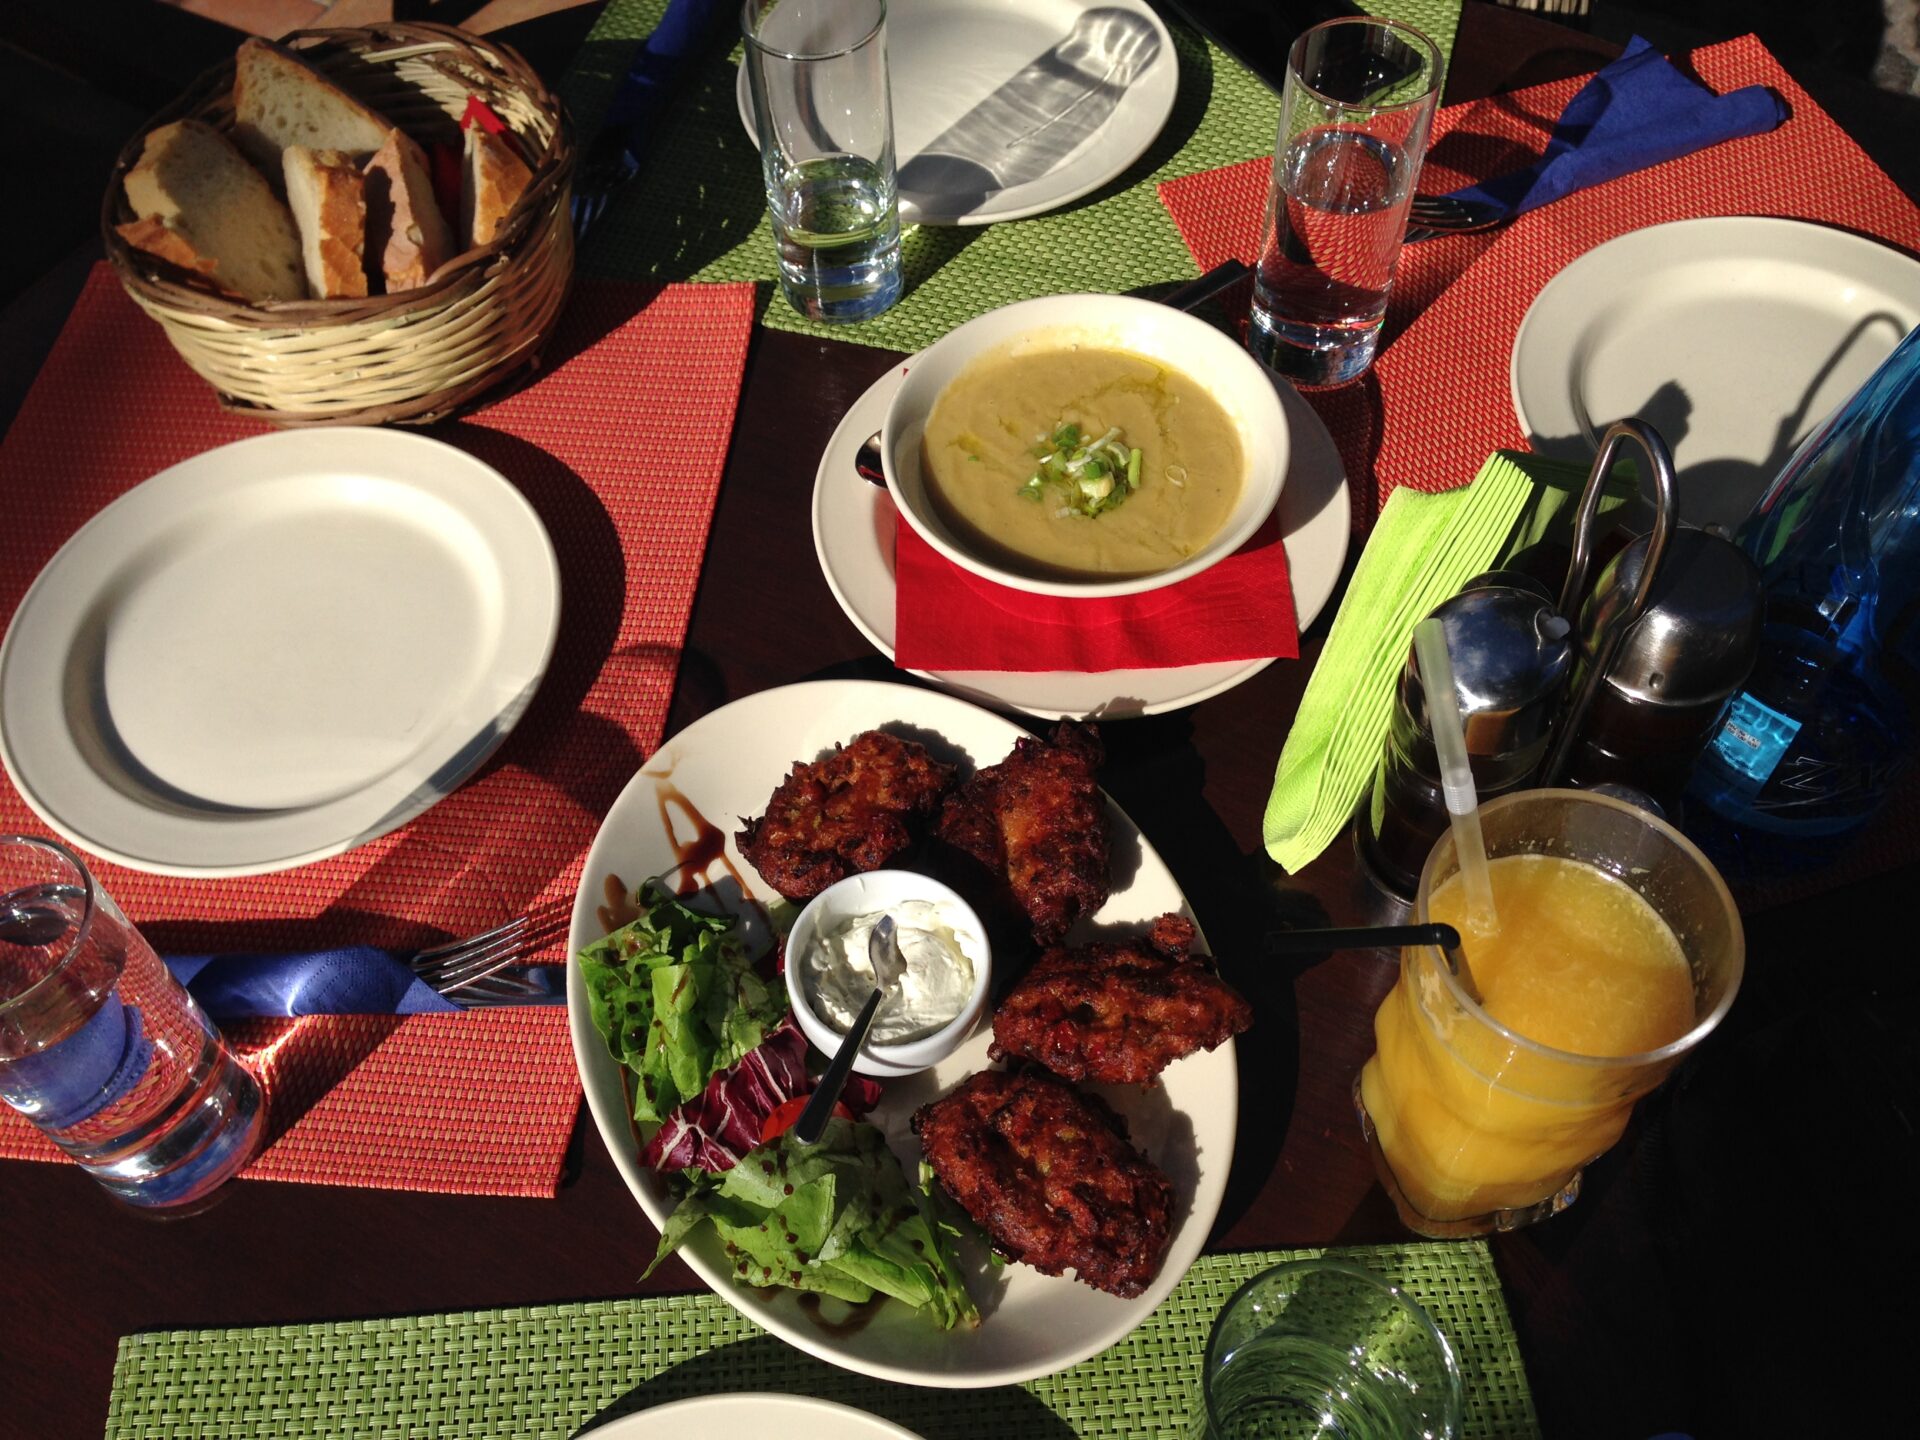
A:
280, 100
495, 177
328, 197
407, 236
203, 207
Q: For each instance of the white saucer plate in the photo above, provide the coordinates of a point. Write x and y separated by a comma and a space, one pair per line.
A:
725, 766
853, 535
1734, 337
276, 651
750, 1414
1008, 108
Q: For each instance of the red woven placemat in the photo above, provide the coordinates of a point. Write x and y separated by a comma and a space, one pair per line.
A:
1438, 399
619, 446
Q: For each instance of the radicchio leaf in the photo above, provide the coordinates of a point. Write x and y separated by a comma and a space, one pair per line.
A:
712, 1131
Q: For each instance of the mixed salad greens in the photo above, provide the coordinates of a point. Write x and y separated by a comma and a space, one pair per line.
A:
837, 1217
719, 1070
676, 999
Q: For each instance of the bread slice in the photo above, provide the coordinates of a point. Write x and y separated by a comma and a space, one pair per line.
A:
328, 197
407, 236
495, 179
202, 206
280, 100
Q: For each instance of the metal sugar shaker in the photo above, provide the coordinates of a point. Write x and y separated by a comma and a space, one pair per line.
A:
1668, 634
1512, 653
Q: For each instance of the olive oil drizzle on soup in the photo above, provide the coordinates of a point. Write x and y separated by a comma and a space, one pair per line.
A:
980, 453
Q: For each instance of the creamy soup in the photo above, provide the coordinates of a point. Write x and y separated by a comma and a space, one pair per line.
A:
1031, 462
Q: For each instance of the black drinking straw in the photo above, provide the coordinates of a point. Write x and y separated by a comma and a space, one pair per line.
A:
1370, 937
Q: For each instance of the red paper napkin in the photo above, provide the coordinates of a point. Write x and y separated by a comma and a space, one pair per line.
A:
619, 446
1438, 400
946, 618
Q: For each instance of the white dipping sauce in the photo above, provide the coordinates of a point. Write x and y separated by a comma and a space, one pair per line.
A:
933, 990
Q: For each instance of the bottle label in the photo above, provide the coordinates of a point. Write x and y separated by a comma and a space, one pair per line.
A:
1754, 738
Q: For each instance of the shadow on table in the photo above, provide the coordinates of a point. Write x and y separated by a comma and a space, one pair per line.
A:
698, 191
769, 1364
1158, 778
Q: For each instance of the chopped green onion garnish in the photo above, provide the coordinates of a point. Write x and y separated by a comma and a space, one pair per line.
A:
1085, 472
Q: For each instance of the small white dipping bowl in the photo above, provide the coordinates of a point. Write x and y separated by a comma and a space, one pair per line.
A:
868, 894
1116, 322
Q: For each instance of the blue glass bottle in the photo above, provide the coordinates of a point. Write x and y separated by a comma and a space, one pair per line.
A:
1812, 744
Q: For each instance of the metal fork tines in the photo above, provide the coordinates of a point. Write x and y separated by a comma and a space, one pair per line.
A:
1431, 215
470, 971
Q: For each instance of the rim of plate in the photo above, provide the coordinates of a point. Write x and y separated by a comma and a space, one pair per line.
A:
1764, 236
1185, 1246
743, 1406
343, 447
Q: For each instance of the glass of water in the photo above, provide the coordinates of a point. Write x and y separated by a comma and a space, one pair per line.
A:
818, 71
1354, 119
103, 1050
1317, 1349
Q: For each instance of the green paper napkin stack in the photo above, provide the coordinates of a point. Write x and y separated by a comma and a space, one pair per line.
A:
1422, 551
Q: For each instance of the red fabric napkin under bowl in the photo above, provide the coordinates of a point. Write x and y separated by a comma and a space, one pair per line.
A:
946, 618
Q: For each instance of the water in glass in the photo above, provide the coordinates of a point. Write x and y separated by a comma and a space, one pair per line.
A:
838, 229
1335, 220
103, 1050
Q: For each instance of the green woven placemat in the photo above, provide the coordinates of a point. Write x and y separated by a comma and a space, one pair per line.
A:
696, 210
550, 1370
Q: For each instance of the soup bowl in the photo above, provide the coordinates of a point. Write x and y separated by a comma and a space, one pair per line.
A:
1157, 333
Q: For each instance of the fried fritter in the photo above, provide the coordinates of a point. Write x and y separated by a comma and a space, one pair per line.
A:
853, 811
1049, 1174
1037, 819
1121, 1012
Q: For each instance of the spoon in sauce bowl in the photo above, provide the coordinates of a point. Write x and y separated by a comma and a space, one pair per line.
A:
883, 950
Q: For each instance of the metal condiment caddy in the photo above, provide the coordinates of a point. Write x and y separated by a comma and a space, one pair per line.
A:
1627, 698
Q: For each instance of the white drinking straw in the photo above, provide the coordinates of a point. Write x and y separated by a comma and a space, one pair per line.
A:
1456, 776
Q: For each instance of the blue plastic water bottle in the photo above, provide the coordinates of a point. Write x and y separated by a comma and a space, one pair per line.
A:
1812, 744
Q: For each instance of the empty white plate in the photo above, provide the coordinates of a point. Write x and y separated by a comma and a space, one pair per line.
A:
1008, 108
1733, 337
277, 650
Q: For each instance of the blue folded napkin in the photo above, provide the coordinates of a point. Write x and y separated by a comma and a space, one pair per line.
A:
1637, 113
353, 980
97, 1064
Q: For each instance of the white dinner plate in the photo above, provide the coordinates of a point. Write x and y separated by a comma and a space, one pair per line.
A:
725, 766
1008, 108
853, 535
750, 1416
276, 651
1733, 337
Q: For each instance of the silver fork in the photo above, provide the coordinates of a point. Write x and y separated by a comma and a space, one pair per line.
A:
1432, 215
471, 972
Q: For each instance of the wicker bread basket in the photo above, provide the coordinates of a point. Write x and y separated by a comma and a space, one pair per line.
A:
411, 357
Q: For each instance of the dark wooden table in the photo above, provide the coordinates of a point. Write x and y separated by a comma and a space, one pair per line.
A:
1655, 1304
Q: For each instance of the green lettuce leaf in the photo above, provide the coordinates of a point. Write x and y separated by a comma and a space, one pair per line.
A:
838, 1217
676, 999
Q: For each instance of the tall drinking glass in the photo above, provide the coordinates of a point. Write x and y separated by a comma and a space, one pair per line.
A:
818, 71
1316, 1348
1618, 951
103, 1050
1354, 118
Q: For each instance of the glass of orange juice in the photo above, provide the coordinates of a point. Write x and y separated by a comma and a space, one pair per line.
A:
1617, 950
